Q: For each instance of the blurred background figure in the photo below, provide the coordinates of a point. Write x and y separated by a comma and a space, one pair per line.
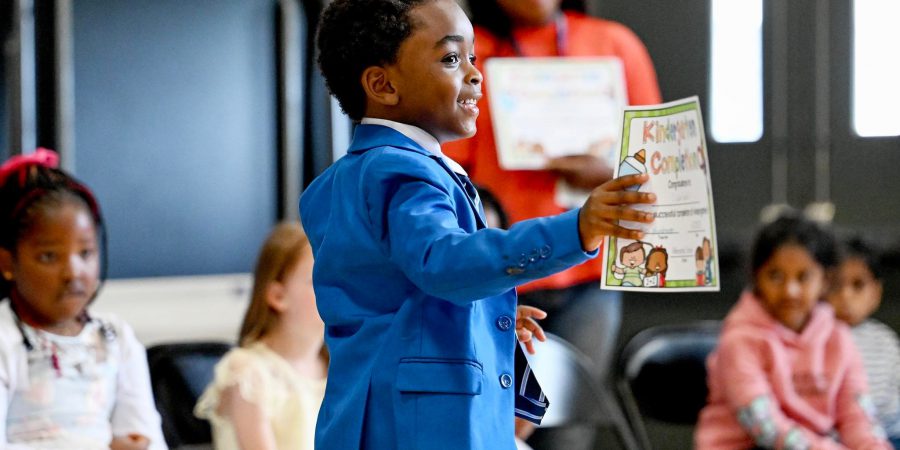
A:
68, 379
785, 373
266, 393
856, 292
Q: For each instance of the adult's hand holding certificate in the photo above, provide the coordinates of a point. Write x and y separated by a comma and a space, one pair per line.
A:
679, 250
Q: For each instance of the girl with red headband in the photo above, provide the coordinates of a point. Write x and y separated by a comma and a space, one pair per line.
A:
67, 379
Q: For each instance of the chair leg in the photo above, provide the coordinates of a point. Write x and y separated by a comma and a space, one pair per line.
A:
614, 411
634, 415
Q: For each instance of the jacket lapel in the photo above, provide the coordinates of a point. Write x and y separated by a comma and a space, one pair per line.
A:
367, 137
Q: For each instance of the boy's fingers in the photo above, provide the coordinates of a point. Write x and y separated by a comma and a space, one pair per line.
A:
524, 334
617, 184
607, 215
530, 347
623, 212
539, 334
625, 197
533, 328
530, 311
626, 233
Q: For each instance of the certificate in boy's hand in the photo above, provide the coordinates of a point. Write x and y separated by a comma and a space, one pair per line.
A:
679, 250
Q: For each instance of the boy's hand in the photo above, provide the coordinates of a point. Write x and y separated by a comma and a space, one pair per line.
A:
524, 428
607, 205
527, 327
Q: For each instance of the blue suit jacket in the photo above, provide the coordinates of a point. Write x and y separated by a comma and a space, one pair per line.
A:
418, 300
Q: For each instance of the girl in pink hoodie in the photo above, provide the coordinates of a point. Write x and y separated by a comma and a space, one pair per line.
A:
786, 374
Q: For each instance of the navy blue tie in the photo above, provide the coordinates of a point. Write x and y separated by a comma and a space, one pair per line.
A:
470, 190
530, 401
531, 404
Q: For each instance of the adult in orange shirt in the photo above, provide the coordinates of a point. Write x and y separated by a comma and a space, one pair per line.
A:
578, 310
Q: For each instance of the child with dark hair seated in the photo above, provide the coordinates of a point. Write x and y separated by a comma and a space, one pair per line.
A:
785, 374
69, 379
855, 295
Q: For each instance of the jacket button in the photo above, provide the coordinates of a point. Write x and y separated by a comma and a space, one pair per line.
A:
545, 251
504, 323
506, 380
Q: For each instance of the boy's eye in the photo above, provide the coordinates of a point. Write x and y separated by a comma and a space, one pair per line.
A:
452, 58
472, 59
47, 257
87, 253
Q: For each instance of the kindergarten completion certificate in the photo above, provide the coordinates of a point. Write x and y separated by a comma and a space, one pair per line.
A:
679, 250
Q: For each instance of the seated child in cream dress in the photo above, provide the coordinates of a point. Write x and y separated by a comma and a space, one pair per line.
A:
266, 393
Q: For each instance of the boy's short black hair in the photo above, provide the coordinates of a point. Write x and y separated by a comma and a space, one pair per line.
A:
354, 35
856, 246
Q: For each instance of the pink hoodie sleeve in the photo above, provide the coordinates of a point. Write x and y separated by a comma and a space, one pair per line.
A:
854, 409
750, 395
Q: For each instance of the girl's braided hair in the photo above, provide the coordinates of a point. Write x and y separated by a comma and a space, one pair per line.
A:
29, 186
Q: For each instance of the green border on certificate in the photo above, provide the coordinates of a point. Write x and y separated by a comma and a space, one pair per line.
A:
679, 251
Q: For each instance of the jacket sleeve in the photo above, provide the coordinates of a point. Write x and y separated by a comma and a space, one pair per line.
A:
750, 395
414, 216
135, 409
855, 411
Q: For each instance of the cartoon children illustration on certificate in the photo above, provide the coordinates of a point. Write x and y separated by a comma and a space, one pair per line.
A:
657, 265
701, 266
708, 262
637, 267
631, 272
677, 252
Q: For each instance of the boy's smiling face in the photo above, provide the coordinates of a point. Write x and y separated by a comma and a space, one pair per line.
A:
436, 83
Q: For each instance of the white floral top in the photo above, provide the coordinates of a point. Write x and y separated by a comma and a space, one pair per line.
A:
73, 392
264, 378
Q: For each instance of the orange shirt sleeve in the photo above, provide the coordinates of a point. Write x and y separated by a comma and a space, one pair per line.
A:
640, 76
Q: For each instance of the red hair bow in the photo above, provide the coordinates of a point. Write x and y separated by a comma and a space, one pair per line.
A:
41, 157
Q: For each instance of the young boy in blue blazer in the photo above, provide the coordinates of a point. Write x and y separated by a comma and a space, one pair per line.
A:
416, 293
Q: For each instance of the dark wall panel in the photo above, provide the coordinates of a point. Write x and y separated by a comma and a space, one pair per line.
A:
176, 130
5, 30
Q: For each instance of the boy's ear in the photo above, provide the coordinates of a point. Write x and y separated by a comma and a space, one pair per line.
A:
275, 296
6, 264
376, 81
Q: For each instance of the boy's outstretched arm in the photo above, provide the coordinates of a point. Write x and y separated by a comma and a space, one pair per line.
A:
608, 204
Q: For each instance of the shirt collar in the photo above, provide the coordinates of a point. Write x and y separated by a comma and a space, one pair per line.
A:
420, 136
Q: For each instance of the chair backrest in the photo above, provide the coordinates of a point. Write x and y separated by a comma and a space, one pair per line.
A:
574, 393
663, 371
179, 372
565, 381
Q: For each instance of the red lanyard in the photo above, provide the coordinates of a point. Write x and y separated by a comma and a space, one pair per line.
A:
562, 37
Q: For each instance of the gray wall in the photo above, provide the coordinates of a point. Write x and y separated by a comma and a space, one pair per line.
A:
176, 130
